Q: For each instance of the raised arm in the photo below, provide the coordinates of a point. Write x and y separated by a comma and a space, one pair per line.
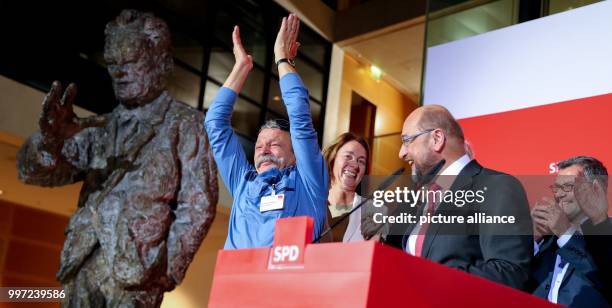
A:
228, 152
309, 160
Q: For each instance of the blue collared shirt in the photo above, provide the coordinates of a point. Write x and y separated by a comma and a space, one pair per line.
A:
303, 184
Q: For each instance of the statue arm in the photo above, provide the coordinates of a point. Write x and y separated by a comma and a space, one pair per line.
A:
58, 153
39, 166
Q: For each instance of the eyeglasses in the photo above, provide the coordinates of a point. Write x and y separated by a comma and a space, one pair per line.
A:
565, 187
406, 140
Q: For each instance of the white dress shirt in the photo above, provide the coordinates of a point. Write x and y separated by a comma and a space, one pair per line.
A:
454, 169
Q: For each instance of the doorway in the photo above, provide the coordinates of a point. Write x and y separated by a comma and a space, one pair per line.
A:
363, 119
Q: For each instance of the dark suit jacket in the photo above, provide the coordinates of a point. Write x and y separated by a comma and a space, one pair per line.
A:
584, 282
599, 244
498, 253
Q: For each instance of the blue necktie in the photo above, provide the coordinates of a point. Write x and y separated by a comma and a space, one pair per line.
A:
562, 262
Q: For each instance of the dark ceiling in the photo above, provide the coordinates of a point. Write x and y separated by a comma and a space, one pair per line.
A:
43, 41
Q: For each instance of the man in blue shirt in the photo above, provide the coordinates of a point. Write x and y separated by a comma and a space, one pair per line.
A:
289, 177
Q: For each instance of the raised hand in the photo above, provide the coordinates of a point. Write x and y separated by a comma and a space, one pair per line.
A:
286, 44
58, 121
243, 60
242, 66
592, 199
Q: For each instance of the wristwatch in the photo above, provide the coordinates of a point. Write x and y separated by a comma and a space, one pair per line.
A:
285, 60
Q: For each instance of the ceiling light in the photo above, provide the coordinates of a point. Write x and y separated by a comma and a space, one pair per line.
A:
376, 72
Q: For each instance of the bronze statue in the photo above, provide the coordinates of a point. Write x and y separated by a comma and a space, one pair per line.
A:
149, 179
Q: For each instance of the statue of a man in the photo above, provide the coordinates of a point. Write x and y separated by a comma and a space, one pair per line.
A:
149, 180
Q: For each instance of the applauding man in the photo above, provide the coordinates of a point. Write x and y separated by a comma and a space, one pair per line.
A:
572, 234
289, 177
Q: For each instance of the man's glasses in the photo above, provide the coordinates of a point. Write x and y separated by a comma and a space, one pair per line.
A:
565, 187
406, 140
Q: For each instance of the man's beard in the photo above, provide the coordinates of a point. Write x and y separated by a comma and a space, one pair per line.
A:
421, 175
268, 158
417, 175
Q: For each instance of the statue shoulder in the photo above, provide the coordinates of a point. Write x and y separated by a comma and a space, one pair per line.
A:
187, 119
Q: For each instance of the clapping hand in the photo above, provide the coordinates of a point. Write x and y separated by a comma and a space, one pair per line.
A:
548, 217
242, 66
592, 199
540, 226
286, 45
243, 60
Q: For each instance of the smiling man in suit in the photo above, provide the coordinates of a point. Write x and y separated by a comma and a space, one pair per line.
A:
432, 138
572, 236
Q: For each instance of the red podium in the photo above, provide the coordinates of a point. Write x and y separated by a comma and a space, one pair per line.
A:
295, 273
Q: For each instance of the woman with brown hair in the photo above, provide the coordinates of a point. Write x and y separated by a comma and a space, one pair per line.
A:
347, 161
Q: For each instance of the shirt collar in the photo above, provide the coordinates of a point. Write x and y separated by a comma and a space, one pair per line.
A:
458, 165
151, 113
450, 173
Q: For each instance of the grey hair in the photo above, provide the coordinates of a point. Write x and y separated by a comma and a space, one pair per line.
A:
592, 168
281, 124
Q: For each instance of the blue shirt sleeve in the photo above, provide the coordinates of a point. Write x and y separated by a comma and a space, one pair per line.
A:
309, 161
229, 155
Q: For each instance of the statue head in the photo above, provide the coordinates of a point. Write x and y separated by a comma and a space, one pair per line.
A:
138, 52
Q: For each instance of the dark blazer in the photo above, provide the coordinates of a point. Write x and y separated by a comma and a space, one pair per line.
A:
599, 243
501, 253
584, 282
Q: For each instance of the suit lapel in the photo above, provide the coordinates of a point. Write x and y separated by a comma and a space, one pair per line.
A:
566, 277
463, 180
547, 244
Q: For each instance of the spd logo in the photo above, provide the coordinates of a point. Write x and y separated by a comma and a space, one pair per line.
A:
286, 257
286, 253
291, 237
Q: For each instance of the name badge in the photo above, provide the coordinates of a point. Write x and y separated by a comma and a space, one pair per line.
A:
273, 202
